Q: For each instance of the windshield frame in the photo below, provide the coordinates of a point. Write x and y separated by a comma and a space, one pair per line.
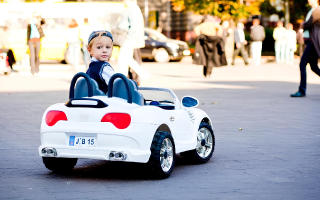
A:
177, 104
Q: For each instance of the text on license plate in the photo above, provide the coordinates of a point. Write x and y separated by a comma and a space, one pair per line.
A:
82, 141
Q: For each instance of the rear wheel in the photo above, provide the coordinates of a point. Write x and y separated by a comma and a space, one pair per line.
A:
205, 145
59, 164
162, 156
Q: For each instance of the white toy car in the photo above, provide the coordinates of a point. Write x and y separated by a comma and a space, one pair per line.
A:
131, 124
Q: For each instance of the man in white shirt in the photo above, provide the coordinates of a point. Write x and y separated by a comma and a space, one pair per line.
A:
279, 35
240, 41
132, 22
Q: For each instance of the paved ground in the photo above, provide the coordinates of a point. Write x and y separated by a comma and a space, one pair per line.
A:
275, 156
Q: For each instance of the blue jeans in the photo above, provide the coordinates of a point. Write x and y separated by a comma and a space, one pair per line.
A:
309, 56
280, 48
256, 48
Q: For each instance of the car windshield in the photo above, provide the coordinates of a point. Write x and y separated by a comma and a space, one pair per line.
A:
156, 95
155, 34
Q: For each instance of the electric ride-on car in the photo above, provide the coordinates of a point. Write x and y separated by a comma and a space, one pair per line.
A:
129, 123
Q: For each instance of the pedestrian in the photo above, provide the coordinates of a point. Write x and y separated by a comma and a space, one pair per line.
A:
210, 27
228, 38
300, 41
132, 22
291, 45
4, 47
34, 34
74, 43
100, 46
279, 35
85, 31
240, 42
257, 35
311, 54
131, 73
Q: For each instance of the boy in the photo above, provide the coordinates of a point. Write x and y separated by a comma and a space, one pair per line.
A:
100, 45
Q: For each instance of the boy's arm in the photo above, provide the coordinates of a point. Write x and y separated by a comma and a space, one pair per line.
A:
107, 73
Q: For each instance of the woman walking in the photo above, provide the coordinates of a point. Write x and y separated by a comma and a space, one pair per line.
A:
34, 34
74, 43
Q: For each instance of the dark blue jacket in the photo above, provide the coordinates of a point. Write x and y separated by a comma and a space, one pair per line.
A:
95, 72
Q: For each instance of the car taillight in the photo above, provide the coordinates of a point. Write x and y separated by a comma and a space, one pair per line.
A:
54, 116
119, 120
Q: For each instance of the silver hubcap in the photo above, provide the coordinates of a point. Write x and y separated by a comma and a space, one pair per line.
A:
162, 55
166, 155
204, 142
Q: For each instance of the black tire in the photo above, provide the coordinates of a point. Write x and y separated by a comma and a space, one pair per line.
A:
193, 155
59, 164
156, 168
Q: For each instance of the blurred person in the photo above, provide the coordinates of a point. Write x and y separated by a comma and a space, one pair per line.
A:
240, 42
74, 43
209, 47
311, 54
131, 73
209, 27
4, 47
85, 31
257, 35
34, 34
279, 35
100, 46
132, 22
228, 37
300, 41
291, 45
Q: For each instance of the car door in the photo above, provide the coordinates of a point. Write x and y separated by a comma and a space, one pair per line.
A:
180, 122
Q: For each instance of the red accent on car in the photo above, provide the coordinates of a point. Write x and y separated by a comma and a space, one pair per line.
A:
54, 116
119, 120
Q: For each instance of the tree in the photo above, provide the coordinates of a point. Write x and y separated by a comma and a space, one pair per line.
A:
221, 8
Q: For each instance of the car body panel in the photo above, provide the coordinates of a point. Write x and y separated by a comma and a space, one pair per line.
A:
135, 140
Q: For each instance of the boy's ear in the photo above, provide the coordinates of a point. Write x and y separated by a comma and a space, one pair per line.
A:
89, 49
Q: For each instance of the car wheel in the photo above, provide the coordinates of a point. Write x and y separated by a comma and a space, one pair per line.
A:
162, 156
161, 55
205, 145
59, 164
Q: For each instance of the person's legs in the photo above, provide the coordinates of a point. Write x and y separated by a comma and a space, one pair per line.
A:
259, 49
204, 71
303, 64
76, 54
244, 54
86, 55
37, 58
291, 57
282, 51
313, 60
235, 53
277, 53
254, 51
32, 56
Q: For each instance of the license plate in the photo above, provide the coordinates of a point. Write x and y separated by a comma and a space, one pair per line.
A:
82, 141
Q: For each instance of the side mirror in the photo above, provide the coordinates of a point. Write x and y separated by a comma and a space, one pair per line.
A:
189, 102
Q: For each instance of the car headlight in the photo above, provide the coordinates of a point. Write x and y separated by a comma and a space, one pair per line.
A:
172, 45
186, 52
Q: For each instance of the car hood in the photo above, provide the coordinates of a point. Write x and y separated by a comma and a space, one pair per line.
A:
184, 44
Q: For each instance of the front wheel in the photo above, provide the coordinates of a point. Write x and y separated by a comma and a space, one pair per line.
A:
162, 55
205, 145
59, 164
162, 156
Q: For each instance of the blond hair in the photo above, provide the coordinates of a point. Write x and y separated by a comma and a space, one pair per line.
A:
98, 37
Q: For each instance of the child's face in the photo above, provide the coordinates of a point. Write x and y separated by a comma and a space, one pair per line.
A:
101, 48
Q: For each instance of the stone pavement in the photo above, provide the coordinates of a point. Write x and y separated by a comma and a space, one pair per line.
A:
275, 156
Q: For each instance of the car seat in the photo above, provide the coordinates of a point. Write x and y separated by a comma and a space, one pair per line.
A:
119, 90
81, 89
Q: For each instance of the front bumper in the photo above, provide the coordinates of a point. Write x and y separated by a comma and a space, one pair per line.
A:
135, 141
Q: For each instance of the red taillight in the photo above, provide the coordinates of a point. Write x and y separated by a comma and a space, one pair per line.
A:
54, 116
119, 120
